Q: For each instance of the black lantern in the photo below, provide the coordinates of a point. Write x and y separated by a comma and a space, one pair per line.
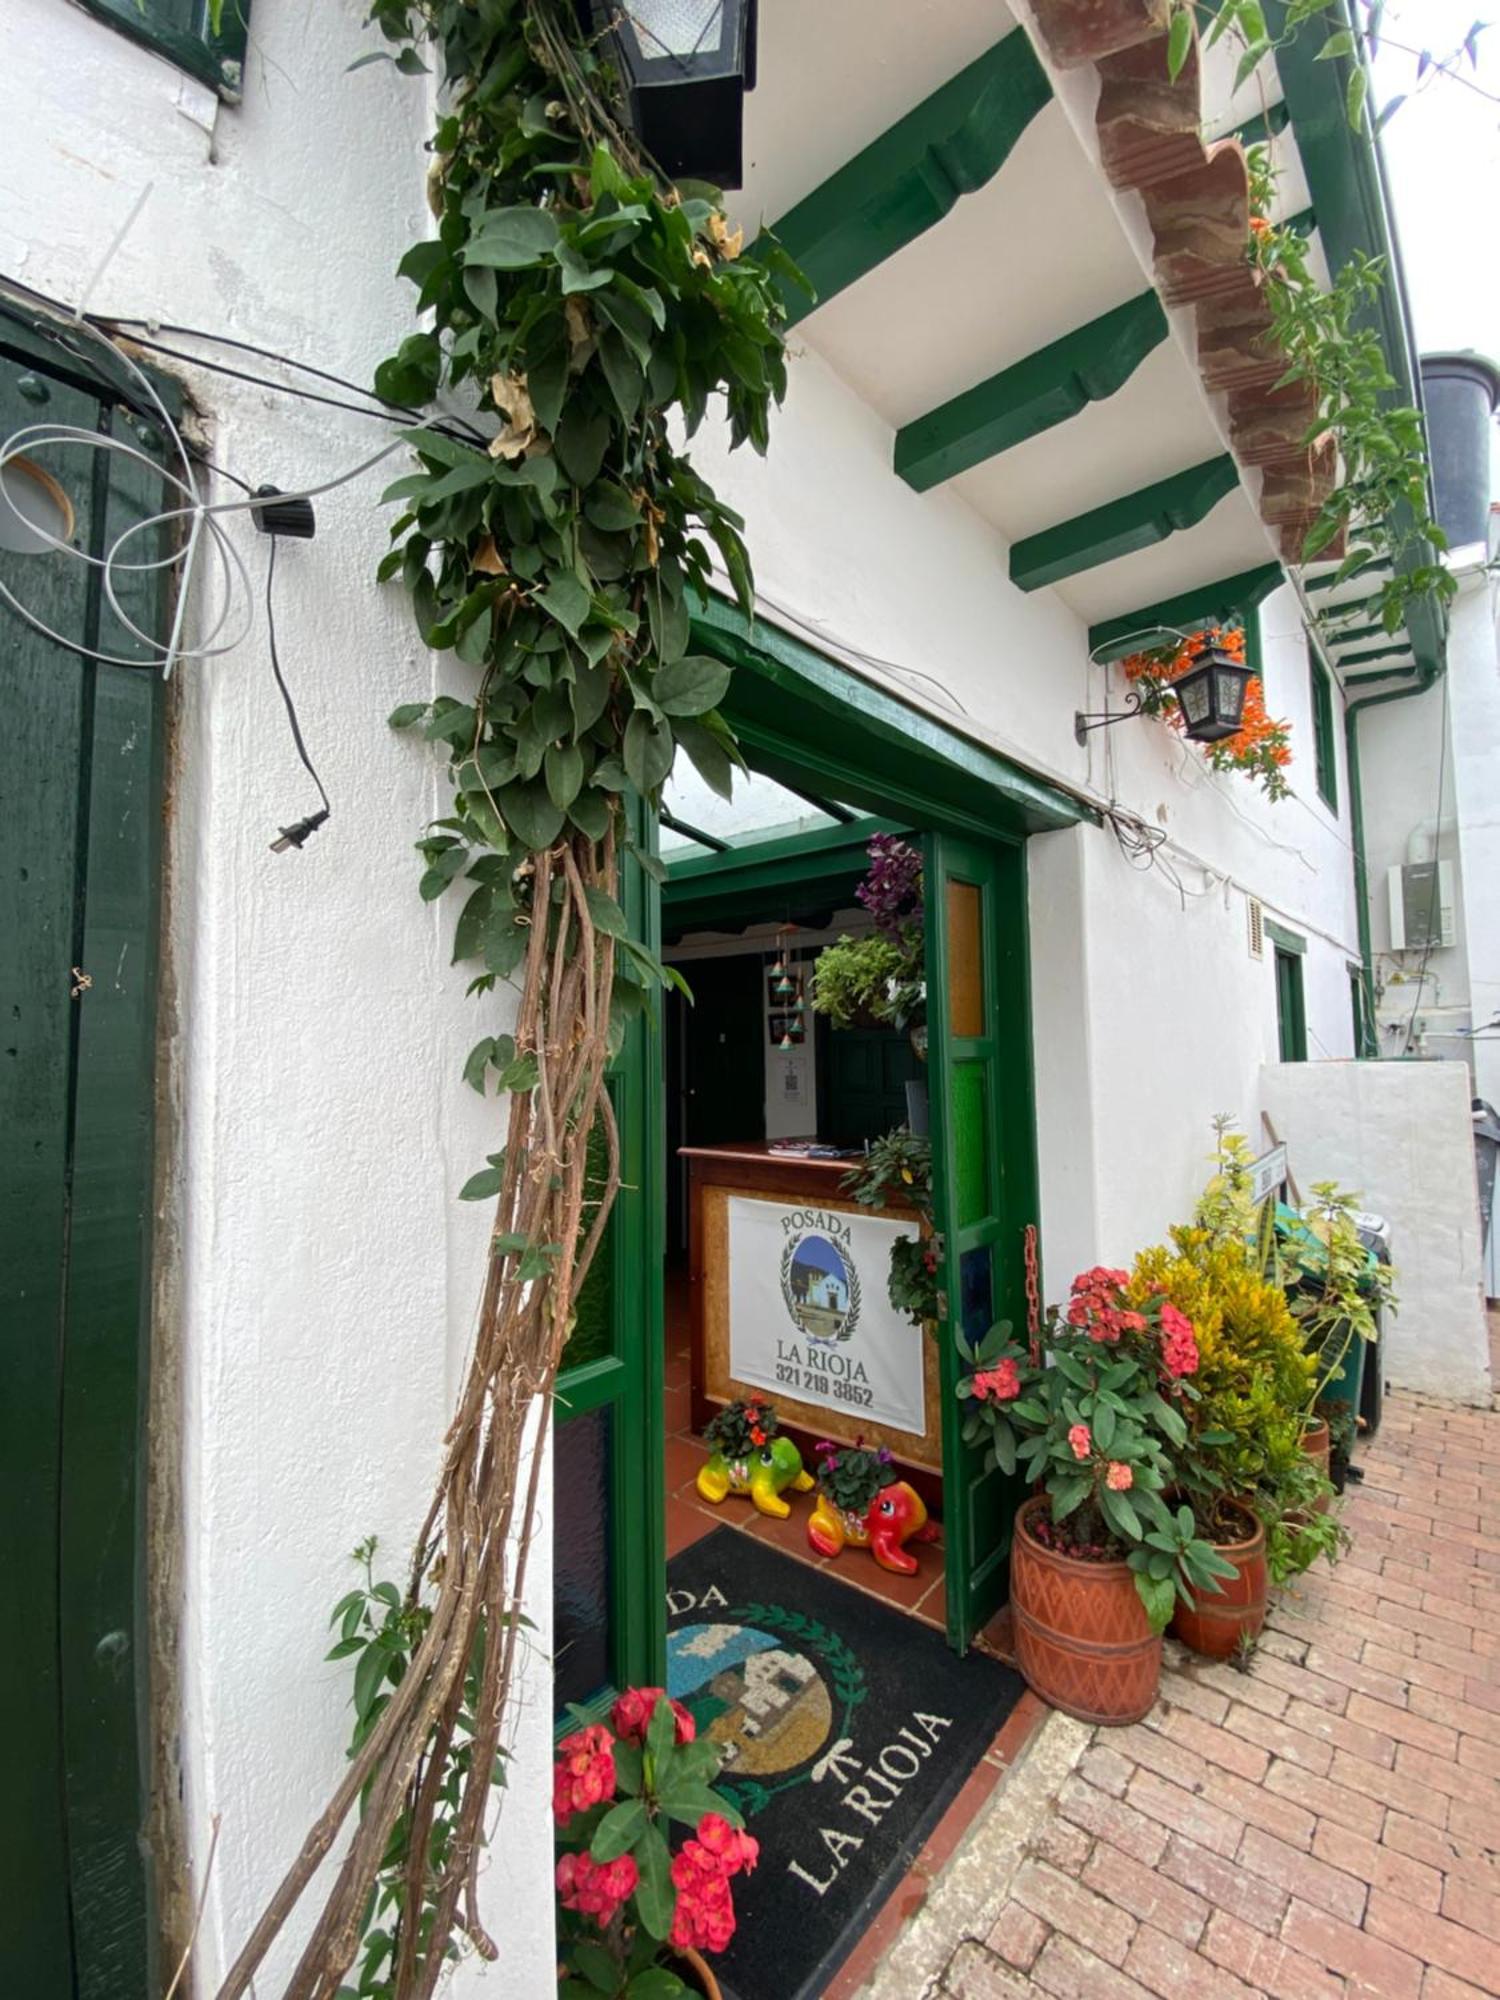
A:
687, 65
1211, 695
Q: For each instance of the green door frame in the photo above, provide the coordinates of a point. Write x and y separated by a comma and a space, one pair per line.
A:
85, 782
808, 722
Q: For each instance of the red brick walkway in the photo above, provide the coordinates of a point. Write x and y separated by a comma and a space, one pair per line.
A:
1326, 1823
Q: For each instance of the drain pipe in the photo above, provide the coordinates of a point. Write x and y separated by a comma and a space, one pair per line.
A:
1425, 680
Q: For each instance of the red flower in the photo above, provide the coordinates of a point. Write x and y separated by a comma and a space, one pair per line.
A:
757, 1435
1179, 1346
1081, 1441
1000, 1384
595, 1888
1119, 1478
703, 1918
584, 1773
632, 1713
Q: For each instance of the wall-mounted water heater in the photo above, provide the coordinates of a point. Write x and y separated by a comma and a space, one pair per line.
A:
1421, 899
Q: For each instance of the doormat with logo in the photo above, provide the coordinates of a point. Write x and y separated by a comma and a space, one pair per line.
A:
849, 1728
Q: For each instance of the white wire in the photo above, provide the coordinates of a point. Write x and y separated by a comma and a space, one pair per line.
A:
203, 522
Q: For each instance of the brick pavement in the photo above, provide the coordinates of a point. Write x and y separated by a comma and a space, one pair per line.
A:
1326, 1823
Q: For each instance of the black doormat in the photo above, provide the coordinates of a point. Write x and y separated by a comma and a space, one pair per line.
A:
849, 1729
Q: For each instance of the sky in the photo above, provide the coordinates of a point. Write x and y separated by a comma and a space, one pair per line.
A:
1442, 149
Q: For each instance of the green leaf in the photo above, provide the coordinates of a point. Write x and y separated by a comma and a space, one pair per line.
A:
1159, 1596
690, 686
483, 1186
611, 509
647, 752
655, 1898
512, 239
1121, 1516
566, 600
1340, 43
709, 758
409, 378
563, 766
1354, 102
530, 813
581, 440
661, 1731
655, 1983
619, 1830
688, 1803
1179, 41
606, 913
596, 1962
589, 812
408, 713
480, 1057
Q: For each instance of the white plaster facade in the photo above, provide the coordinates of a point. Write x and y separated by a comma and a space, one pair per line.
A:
324, 1275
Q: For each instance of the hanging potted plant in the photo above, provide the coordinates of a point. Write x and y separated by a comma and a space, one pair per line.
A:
1094, 1418
881, 980
863, 1504
633, 1916
899, 1167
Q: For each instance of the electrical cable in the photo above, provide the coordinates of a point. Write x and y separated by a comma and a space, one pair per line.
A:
1434, 901
295, 835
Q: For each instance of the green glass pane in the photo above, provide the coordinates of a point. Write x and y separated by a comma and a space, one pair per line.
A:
582, 1452
593, 1308
970, 1143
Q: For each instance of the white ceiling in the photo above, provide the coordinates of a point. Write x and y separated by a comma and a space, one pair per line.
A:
1039, 251
834, 74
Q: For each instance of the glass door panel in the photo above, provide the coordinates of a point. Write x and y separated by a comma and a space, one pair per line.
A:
983, 1175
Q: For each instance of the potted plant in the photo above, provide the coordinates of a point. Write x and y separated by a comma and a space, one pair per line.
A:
633, 1916
1100, 1556
881, 979
899, 1165
746, 1457
1336, 1290
863, 1504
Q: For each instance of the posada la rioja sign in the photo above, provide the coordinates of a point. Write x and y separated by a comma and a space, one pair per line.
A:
810, 1315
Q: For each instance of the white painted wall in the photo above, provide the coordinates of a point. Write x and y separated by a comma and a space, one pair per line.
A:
1399, 1134
328, 1276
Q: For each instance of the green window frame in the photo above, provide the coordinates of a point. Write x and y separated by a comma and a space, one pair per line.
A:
1325, 757
1291, 1010
183, 31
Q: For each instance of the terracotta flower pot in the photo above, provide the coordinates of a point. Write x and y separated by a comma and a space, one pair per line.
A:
697, 1973
1082, 1637
1317, 1443
1215, 1622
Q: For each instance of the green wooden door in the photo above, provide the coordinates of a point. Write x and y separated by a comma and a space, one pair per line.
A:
80, 796
984, 1175
609, 1475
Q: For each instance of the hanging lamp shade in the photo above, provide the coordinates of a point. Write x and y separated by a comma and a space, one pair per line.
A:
686, 65
1211, 695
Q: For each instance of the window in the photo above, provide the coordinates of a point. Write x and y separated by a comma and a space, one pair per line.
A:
183, 31
1325, 760
1291, 1019
1357, 1008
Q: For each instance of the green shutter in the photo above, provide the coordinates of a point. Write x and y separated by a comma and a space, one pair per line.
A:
1326, 762
183, 31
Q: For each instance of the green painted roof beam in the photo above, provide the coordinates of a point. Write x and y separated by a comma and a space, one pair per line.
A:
1349, 634
1397, 652
911, 176
1390, 674
690, 832
1047, 388
1123, 527
1327, 582
1205, 604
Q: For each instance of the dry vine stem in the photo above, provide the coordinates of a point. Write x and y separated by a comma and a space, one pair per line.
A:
482, 1515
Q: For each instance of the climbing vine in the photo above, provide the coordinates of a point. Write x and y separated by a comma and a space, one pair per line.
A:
553, 538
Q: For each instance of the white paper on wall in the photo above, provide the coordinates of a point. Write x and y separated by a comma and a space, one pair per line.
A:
810, 1314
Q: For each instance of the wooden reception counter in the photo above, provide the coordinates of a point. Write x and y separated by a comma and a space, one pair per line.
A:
789, 1300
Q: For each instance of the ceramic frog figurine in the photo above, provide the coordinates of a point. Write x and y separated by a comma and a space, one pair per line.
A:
764, 1474
894, 1517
